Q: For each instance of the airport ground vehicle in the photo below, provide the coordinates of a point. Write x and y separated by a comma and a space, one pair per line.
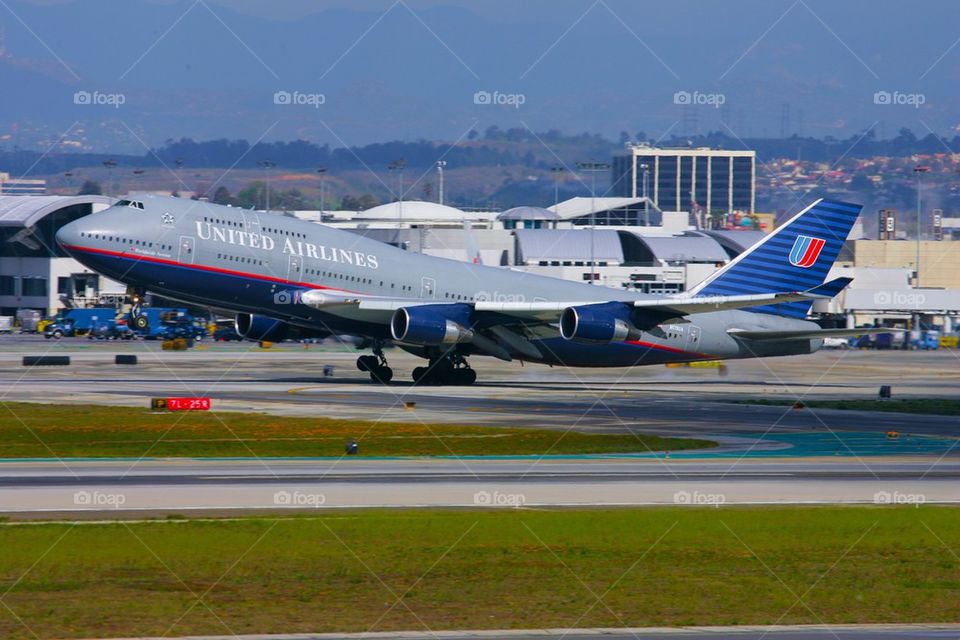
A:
77, 321
113, 329
165, 323
927, 340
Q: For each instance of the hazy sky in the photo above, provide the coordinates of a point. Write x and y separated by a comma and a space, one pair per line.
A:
368, 70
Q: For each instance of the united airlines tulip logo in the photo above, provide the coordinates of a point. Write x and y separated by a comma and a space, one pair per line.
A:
806, 250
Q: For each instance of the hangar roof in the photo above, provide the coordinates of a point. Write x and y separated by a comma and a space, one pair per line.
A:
528, 213
26, 211
584, 205
736, 241
534, 245
686, 248
415, 210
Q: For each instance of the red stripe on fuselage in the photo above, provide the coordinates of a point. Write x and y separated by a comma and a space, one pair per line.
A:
663, 347
200, 267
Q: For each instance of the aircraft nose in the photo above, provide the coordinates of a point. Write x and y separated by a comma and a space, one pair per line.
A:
69, 234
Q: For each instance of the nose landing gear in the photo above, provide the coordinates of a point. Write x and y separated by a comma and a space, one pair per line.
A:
376, 365
137, 319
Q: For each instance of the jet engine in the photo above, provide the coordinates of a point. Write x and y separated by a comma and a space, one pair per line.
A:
431, 325
262, 328
598, 323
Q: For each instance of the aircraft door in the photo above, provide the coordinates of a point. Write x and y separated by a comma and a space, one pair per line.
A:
187, 250
428, 288
294, 268
693, 338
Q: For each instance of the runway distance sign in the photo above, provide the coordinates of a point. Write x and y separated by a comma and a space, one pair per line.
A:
180, 404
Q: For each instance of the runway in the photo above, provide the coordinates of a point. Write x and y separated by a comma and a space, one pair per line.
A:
253, 485
767, 454
694, 402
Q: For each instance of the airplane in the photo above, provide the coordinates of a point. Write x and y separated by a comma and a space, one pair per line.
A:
284, 277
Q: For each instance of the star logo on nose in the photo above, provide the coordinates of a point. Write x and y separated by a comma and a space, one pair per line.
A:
167, 218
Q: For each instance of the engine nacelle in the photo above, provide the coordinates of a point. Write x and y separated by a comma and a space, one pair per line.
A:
261, 328
428, 326
597, 323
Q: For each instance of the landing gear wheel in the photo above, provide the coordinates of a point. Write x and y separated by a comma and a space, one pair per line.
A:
368, 363
141, 322
376, 365
383, 375
448, 370
464, 377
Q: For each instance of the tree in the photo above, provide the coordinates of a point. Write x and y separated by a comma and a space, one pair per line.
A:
861, 183
366, 201
222, 196
90, 188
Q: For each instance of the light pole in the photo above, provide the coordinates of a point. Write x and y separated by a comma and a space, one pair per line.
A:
110, 165
592, 168
557, 174
919, 171
323, 179
440, 165
267, 165
398, 165
645, 168
176, 174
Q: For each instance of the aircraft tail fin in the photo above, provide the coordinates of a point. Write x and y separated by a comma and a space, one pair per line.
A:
797, 256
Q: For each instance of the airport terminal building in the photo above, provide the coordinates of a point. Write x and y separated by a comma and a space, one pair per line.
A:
35, 273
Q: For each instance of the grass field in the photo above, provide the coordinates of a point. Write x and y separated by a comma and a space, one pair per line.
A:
381, 571
36, 430
929, 406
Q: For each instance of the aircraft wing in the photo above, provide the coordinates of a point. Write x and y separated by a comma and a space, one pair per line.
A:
766, 336
381, 308
670, 307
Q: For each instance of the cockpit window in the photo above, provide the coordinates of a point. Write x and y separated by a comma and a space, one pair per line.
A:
133, 204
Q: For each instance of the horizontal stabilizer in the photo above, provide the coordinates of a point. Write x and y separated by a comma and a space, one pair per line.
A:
830, 289
764, 336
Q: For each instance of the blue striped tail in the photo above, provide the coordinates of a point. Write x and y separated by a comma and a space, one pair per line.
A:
797, 256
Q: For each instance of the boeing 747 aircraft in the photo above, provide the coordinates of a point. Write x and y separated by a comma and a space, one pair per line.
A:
282, 276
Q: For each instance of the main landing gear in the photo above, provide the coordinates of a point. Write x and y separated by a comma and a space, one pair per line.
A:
376, 365
449, 369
